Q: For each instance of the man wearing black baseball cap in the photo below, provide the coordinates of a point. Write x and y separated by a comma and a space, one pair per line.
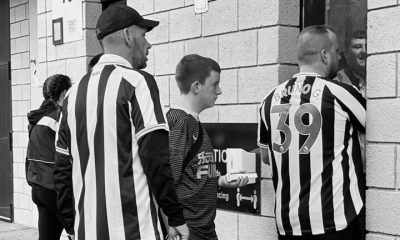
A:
115, 134
121, 30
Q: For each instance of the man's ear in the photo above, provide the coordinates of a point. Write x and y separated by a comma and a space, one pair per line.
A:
128, 35
324, 56
195, 87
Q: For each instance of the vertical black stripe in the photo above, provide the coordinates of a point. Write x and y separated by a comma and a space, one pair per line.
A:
154, 216
358, 164
64, 110
305, 165
125, 160
267, 110
349, 210
155, 96
328, 139
83, 145
137, 117
285, 174
263, 130
101, 208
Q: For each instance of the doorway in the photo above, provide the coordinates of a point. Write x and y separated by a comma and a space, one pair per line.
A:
6, 160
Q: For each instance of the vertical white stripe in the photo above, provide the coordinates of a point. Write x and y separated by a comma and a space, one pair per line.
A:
143, 96
77, 179
90, 197
337, 176
276, 137
146, 104
316, 164
294, 164
111, 171
354, 190
141, 190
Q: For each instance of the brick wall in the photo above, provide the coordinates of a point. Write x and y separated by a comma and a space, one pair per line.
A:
253, 41
383, 129
70, 59
21, 101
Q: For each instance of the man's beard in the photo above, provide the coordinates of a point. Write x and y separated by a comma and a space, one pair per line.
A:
332, 74
139, 63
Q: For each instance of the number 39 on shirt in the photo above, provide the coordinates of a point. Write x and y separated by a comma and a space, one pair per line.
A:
312, 129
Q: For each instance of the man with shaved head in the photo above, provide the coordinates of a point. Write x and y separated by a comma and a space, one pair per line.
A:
308, 133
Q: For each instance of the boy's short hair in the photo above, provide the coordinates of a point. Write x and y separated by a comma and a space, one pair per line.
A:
193, 68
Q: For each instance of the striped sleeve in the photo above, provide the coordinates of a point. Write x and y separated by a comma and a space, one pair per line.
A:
146, 110
262, 140
351, 101
62, 132
48, 122
263, 133
63, 171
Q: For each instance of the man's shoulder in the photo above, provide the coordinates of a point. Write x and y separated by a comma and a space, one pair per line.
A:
340, 84
134, 76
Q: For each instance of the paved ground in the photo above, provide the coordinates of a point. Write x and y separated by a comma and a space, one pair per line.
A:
13, 231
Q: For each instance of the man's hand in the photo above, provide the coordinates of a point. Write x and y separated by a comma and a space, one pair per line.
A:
182, 230
71, 237
240, 182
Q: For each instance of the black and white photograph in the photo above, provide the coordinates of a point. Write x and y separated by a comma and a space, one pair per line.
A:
199, 119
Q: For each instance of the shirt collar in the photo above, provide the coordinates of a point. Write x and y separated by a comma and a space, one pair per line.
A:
107, 59
194, 114
307, 74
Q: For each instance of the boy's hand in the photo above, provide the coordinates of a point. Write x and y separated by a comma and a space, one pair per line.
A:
173, 234
183, 231
240, 182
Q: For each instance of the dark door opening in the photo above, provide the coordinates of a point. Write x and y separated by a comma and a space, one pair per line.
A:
6, 161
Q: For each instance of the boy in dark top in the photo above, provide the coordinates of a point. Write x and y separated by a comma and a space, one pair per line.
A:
191, 152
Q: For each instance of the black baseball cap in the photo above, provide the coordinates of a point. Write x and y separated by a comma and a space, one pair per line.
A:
117, 17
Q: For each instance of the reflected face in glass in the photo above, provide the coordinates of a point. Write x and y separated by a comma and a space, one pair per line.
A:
356, 54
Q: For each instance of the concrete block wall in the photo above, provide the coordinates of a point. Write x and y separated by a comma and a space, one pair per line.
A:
24, 210
253, 41
383, 115
70, 59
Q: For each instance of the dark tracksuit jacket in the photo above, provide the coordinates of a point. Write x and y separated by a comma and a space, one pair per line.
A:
39, 163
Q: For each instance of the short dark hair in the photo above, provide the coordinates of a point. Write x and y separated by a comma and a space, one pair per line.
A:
94, 61
193, 68
44, 90
56, 84
360, 34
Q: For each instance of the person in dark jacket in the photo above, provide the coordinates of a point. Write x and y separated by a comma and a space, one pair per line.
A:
40, 155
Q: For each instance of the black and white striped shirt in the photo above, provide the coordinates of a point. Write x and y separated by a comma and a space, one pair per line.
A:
311, 125
105, 118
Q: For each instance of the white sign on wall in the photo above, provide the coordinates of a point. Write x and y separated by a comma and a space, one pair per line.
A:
200, 6
69, 14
